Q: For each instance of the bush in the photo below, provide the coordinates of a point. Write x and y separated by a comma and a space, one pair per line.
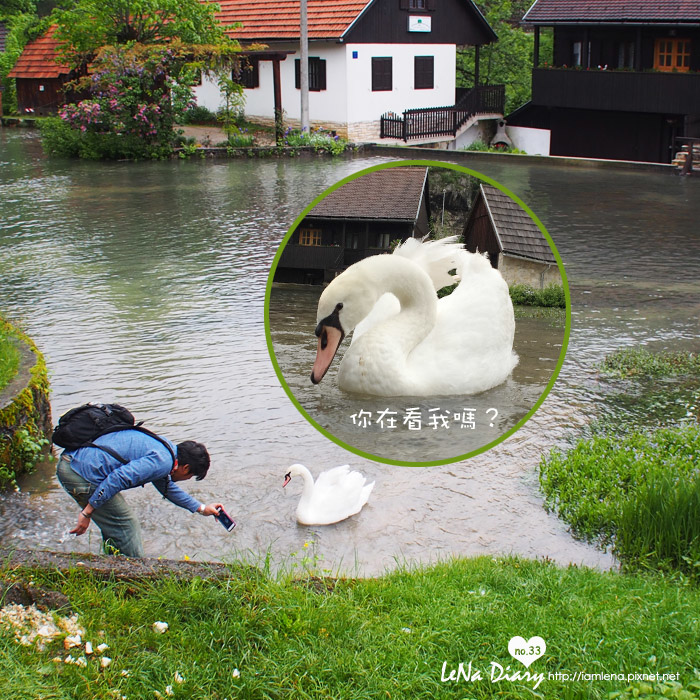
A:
59, 139
485, 147
319, 140
198, 114
551, 296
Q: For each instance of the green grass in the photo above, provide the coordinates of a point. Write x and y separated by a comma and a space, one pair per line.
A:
607, 487
9, 358
639, 362
366, 638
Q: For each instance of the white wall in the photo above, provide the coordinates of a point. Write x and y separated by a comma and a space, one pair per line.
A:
366, 105
326, 105
535, 142
348, 97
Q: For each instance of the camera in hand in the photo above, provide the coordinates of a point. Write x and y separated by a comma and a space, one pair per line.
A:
226, 520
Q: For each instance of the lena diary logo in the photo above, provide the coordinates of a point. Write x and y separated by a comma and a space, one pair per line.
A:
524, 651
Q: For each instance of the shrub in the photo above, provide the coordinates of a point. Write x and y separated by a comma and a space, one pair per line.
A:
240, 138
319, 140
131, 113
551, 296
198, 114
487, 148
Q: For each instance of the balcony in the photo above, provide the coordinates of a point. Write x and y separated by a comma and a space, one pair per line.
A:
437, 122
623, 91
311, 257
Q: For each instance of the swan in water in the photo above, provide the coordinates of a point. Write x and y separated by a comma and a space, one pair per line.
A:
407, 342
337, 494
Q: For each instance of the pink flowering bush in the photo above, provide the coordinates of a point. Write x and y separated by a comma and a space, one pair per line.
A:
133, 97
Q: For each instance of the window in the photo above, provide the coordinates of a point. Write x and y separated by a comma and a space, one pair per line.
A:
577, 54
381, 73
625, 54
424, 5
672, 54
247, 73
383, 241
310, 236
424, 72
317, 74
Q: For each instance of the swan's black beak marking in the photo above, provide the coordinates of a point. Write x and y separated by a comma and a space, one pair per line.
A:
332, 320
325, 354
287, 479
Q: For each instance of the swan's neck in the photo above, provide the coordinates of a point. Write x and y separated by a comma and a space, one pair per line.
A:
307, 491
412, 287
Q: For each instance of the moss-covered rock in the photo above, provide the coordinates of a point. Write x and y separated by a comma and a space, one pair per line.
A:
25, 411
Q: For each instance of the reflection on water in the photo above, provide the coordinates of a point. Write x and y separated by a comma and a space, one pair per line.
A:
408, 428
144, 284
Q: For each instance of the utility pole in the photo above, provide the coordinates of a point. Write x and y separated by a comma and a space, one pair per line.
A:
304, 66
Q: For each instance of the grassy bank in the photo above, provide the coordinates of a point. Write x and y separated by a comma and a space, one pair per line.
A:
398, 636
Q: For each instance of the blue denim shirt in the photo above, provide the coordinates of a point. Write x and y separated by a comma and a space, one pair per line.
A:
149, 462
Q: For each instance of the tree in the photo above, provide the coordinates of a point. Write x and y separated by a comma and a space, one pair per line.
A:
142, 57
505, 62
86, 25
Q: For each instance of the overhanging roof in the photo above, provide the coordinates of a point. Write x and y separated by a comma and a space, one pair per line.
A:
517, 233
613, 12
390, 194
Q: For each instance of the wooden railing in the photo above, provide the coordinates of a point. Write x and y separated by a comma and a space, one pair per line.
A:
443, 121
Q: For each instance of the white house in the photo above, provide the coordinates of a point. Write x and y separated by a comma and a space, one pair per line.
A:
366, 59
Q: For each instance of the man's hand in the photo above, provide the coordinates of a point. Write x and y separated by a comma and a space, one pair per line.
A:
83, 521
212, 509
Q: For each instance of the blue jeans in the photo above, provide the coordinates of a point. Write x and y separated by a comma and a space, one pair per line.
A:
121, 531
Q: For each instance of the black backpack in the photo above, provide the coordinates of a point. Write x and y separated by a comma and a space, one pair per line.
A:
80, 426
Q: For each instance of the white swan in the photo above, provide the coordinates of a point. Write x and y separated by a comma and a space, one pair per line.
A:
413, 344
337, 494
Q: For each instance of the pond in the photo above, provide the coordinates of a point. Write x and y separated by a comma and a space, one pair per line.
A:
144, 284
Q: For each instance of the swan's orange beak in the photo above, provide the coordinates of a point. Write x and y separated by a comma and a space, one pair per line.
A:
287, 479
329, 340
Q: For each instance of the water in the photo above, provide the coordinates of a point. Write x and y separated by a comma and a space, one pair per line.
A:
144, 284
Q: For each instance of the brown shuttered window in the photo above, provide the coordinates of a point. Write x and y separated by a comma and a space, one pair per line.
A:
424, 72
317, 74
381, 73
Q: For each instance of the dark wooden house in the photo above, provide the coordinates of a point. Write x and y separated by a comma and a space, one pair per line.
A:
359, 219
40, 77
623, 81
499, 226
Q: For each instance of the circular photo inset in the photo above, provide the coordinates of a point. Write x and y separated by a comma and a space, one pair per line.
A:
417, 313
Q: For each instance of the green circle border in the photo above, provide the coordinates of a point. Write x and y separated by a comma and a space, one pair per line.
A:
378, 458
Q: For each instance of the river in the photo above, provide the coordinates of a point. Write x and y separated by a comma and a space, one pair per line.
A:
144, 284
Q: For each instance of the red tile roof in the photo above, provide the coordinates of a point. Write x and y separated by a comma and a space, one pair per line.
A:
279, 19
38, 60
614, 11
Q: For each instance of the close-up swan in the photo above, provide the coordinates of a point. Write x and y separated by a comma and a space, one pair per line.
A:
411, 342
337, 494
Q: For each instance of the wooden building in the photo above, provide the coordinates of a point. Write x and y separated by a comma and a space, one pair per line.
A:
499, 226
623, 81
40, 77
359, 219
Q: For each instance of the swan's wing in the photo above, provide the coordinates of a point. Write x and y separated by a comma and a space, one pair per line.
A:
437, 258
472, 340
338, 494
385, 307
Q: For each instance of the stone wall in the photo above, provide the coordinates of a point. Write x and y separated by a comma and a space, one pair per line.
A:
25, 412
522, 271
